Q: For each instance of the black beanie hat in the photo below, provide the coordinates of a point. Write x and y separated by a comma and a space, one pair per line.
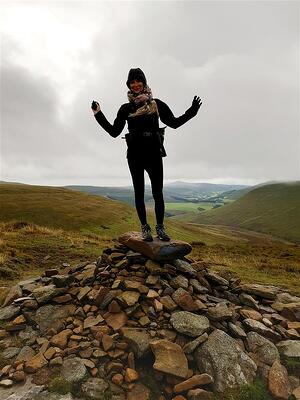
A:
136, 73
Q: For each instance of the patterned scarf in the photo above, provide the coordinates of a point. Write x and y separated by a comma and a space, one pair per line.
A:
144, 101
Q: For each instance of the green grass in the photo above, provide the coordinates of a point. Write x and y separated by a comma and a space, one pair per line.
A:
254, 391
272, 209
188, 206
59, 385
56, 207
29, 243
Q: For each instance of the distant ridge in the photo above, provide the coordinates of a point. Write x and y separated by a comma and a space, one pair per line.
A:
272, 209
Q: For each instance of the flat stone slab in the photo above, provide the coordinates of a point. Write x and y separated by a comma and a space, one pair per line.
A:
156, 250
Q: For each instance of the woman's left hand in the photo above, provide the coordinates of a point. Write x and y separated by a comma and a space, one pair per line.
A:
196, 103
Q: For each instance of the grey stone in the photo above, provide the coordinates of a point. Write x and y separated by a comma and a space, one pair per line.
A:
198, 288
43, 294
25, 354
248, 300
28, 333
73, 369
49, 314
264, 291
94, 388
138, 339
10, 352
264, 349
62, 280
189, 324
14, 292
30, 284
185, 267
9, 312
236, 330
190, 347
25, 391
221, 357
289, 349
287, 298
29, 281
179, 281
219, 312
45, 395
213, 277
260, 328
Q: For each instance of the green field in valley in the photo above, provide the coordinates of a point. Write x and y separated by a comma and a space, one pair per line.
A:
187, 207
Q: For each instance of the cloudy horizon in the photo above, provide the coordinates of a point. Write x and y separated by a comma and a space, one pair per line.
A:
240, 57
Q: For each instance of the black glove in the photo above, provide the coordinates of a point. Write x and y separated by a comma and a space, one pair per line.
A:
196, 104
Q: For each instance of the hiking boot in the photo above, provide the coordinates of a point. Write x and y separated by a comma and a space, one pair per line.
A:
146, 233
161, 234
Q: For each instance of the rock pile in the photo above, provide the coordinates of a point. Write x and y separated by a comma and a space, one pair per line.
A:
147, 308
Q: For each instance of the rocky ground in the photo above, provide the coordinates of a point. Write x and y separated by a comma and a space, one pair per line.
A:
100, 329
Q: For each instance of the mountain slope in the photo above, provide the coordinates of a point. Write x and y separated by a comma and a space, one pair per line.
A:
58, 207
272, 209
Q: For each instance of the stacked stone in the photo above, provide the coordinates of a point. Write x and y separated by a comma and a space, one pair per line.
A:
97, 321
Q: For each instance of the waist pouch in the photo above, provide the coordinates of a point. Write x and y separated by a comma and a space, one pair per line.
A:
147, 138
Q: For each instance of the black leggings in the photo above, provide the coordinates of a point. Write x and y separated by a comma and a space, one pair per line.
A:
154, 166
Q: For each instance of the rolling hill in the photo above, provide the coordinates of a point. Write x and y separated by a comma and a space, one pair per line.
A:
58, 207
43, 226
76, 211
273, 209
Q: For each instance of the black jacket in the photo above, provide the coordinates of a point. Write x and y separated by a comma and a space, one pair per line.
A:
143, 122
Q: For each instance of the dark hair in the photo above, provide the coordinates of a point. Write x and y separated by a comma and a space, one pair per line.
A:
136, 73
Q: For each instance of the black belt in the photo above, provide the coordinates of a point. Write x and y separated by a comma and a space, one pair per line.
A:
140, 134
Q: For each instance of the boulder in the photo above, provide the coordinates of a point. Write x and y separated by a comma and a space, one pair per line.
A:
94, 388
189, 324
264, 349
49, 315
156, 250
262, 329
289, 349
14, 293
264, 291
9, 312
138, 339
73, 369
169, 358
185, 267
278, 381
221, 357
43, 294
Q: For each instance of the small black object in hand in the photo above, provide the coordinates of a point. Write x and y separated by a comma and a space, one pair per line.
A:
94, 105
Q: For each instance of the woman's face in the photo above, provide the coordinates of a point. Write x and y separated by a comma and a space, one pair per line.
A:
136, 86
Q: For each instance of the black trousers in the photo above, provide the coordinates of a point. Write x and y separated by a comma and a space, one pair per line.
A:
153, 164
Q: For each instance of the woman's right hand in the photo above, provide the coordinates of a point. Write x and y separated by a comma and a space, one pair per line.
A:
95, 107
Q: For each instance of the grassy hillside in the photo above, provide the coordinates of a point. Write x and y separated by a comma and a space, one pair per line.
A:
56, 207
272, 209
44, 227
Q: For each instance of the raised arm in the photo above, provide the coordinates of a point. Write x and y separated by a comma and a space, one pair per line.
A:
168, 118
116, 128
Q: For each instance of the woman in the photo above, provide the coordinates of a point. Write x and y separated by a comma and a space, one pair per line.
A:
145, 148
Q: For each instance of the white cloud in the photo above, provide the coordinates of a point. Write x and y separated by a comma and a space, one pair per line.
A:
241, 58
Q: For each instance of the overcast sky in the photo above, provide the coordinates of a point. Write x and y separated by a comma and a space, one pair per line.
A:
240, 57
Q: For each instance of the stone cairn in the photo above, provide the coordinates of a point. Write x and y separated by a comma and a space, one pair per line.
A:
147, 307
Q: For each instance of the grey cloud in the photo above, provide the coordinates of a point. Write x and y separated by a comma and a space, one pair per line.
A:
242, 58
